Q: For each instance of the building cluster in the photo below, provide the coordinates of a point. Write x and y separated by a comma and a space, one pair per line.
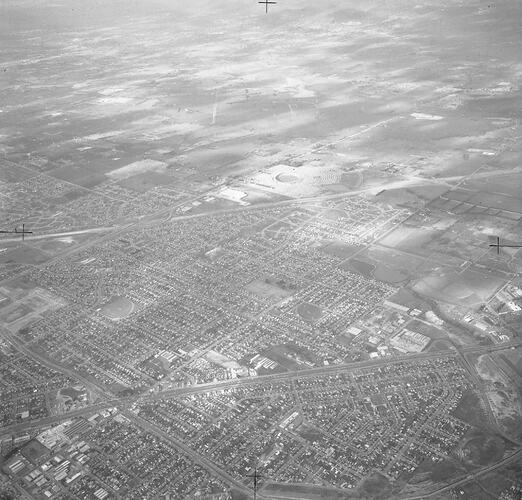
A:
34, 201
106, 456
237, 285
247, 301
329, 429
28, 388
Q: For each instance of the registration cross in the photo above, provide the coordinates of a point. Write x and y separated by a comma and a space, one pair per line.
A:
256, 476
266, 2
497, 245
23, 232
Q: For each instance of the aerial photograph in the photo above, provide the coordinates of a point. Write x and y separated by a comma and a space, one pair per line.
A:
261, 250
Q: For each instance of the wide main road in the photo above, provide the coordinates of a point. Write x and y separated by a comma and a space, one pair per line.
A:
326, 370
247, 381
16, 429
221, 385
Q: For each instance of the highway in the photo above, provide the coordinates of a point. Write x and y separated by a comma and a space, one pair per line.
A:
16, 429
248, 381
327, 370
58, 235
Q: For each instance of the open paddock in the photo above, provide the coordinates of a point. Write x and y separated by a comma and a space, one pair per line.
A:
136, 168
118, 308
339, 249
470, 288
145, 181
309, 312
304, 492
269, 288
23, 254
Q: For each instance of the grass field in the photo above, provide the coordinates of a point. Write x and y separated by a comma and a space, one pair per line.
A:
470, 410
118, 308
309, 312
483, 449
304, 492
